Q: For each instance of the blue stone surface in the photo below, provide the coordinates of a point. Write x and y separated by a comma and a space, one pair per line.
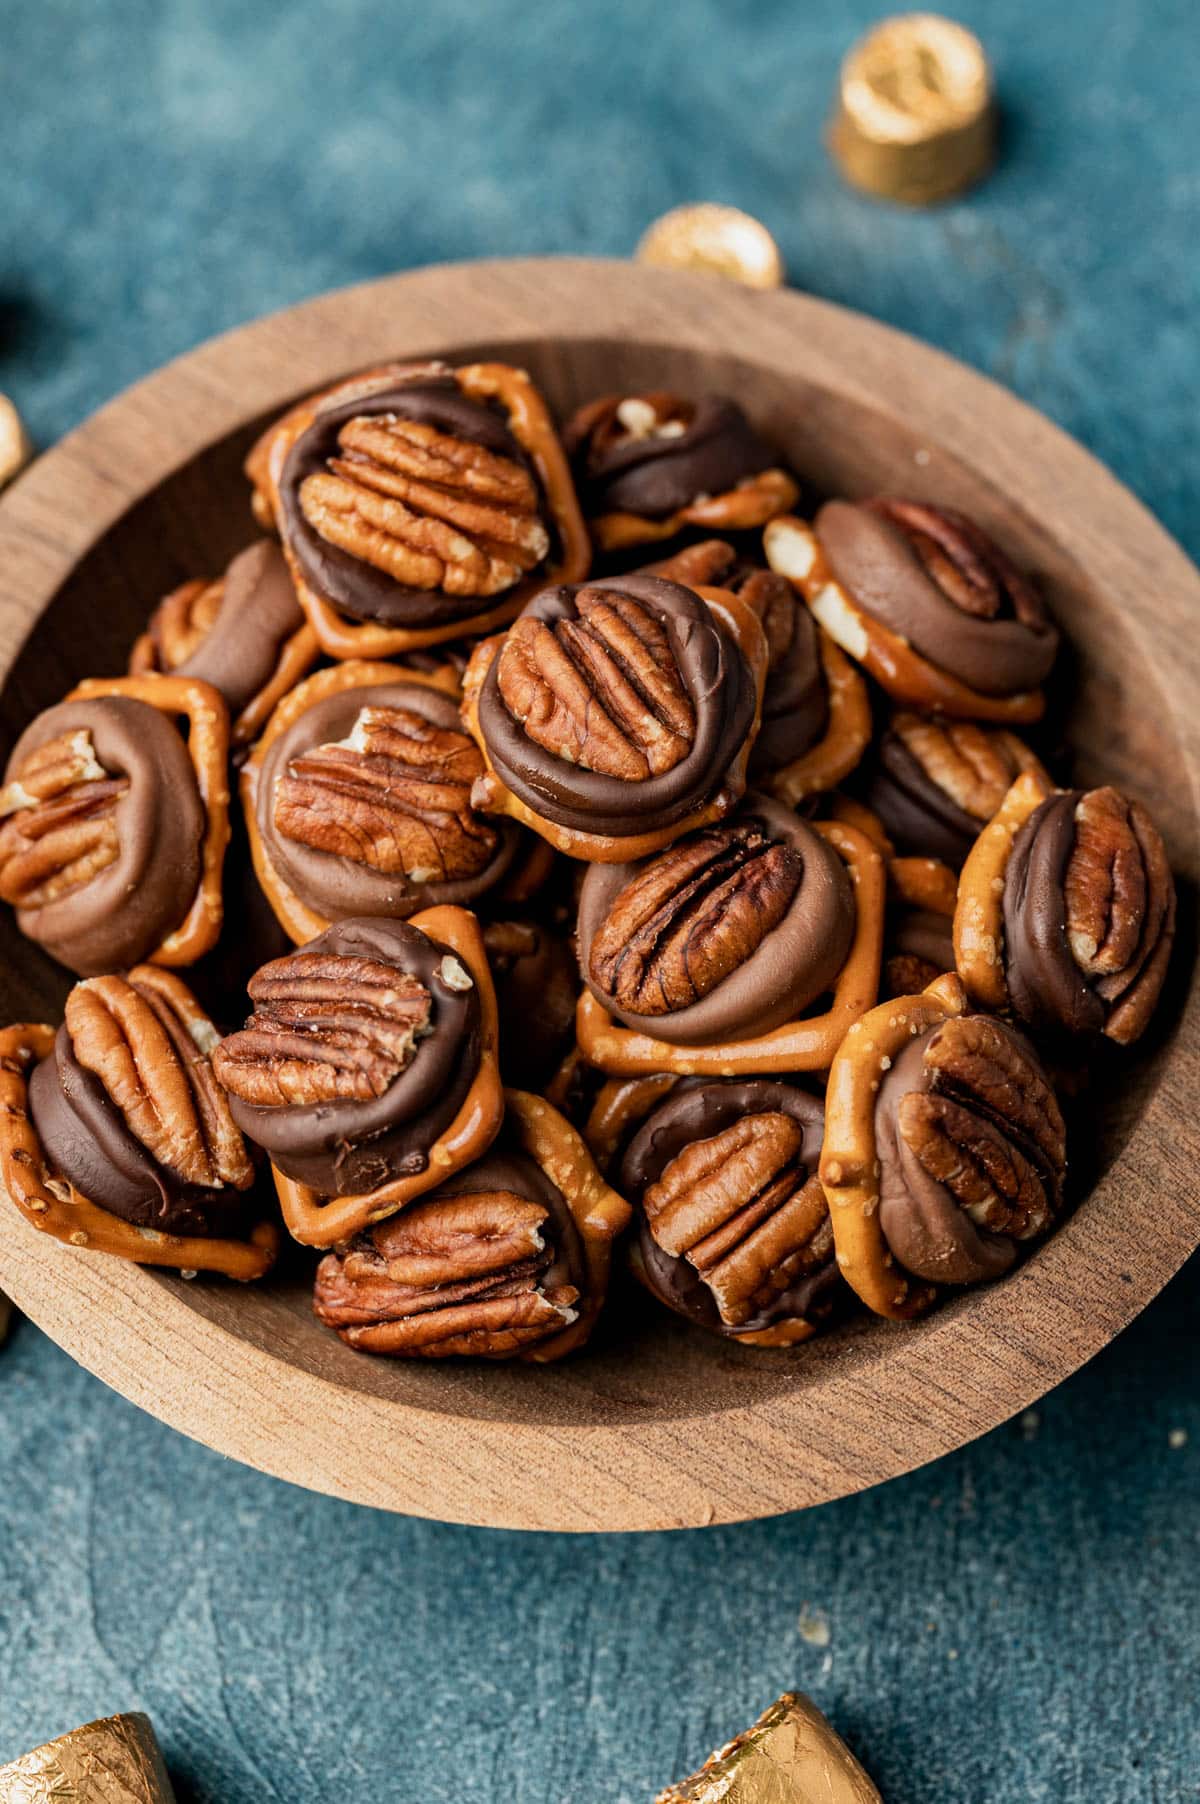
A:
1018, 1622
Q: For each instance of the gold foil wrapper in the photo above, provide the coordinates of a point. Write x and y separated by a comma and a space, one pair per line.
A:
114, 1761
15, 448
718, 241
916, 117
790, 1756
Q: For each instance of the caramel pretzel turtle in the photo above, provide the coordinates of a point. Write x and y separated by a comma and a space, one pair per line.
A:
669, 456
738, 627
208, 748
360, 811
448, 520
53, 1205
794, 550
733, 1229
317, 1219
974, 1157
936, 783
807, 1044
1066, 911
816, 713
113, 824
507, 1259
244, 633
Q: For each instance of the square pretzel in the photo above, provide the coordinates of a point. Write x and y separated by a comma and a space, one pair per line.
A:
807, 1044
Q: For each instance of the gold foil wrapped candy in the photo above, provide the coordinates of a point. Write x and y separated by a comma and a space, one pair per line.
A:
915, 120
718, 241
790, 1756
114, 1761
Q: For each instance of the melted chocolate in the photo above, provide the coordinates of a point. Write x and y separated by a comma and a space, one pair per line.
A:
655, 476
353, 586
919, 817
695, 1112
122, 913
879, 568
339, 887
84, 1138
1045, 985
795, 701
793, 964
259, 612
350, 1148
926, 1230
721, 688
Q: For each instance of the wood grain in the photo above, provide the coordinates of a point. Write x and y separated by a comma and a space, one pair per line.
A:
655, 1427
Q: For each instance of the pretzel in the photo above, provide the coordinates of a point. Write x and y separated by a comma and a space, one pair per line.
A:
846, 737
621, 1104
849, 1163
793, 550
979, 914
530, 424
752, 503
300, 922
804, 1045
297, 655
600, 1215
319, 1222
491, 795
54, 1206
856, 814
208, 748
916, 882
923, 883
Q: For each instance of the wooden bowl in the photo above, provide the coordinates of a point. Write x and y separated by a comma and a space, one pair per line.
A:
656, 1426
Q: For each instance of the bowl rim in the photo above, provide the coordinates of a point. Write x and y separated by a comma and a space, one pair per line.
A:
968, 1368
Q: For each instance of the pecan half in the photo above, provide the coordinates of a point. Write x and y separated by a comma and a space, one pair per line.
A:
988, 1127
968, 567
325, 1028
603, 690
975, 767
394, 795
691, 916
61, 828
147, 1041
450, 1275
745, 1211
430, 510
1116, 886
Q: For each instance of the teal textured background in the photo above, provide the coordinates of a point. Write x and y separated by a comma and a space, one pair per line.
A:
1016, 1623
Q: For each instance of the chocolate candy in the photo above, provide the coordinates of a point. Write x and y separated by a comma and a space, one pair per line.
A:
733, 1227
361, 1050
655, 454
729, 933
936, 784
362, 803
245, 634
936, 580
1089, 915
618, 708
102, 842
